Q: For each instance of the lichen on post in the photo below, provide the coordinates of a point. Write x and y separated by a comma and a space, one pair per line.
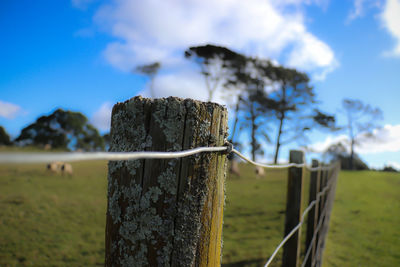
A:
166, 212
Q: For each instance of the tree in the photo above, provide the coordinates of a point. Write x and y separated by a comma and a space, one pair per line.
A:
249, 85
339, 151
362, 119
272, 94
216, 63
107, 140
62, 129
4, 137
263, 90
389, 169
289, 103
151, 71
254, 116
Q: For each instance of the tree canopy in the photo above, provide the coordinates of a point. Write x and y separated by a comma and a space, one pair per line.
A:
339, 151
151, 71
284, 100
362, 119
62, 129
292, 103
269, 98
4, 137
217, 64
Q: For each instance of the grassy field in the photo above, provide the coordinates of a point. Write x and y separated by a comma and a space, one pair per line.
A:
49, 220
365, 223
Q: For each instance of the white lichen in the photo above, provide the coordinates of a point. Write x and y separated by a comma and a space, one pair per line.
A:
145, 212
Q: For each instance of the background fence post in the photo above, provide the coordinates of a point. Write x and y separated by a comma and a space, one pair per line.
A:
291, 250
321, 217
312, 220
166, 212
331, 178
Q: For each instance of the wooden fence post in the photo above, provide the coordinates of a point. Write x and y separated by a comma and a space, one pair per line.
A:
166, 212
312, 220
322, 210
291, 250
331, 177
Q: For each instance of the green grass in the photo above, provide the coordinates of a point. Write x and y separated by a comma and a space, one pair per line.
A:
253, 223
50, 220
365, 222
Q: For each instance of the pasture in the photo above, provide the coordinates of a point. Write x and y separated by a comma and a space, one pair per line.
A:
51, 220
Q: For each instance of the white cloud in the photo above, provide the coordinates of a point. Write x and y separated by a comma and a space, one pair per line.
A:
310, 53
9, 110
391, 21
185, 84
320, 147
102, 117
393, 164
386, 139
361, 7
358, 9
145, 32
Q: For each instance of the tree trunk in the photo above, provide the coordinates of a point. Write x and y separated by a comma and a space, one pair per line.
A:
351, 134
278, 139
253, 133
352, 154
236, 120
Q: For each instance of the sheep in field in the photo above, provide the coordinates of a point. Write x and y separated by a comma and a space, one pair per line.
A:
259, 171
54, 167
47, 147
66, 168
234, 168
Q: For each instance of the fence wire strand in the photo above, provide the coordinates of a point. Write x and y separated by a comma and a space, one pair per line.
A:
317, 229
26, 157
321, 219
271, 166
287, 237
81, 156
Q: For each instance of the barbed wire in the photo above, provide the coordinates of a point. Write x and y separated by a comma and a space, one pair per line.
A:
289, 235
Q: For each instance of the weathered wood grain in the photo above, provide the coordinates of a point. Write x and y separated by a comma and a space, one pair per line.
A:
166, 212
291, 250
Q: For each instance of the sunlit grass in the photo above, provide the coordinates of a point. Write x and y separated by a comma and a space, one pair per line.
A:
365, 225
54, 220
48, 219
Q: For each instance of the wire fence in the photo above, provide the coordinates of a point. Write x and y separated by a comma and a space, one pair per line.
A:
84, 156
26, 157
18, 157
302, 220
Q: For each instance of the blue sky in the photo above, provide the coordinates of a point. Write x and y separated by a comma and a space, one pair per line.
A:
78, 55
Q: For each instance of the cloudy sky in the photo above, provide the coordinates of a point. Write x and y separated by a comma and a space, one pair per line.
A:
79, 55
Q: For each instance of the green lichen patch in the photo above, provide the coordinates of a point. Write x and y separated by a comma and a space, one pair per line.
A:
156, 207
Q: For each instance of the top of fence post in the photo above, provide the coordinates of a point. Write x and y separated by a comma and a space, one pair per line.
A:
166, 212
291, 250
